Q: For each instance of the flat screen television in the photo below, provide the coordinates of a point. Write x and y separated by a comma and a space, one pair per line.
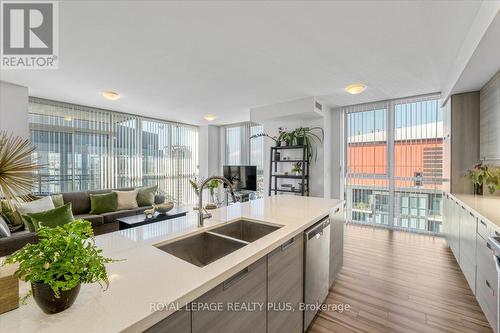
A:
243, 177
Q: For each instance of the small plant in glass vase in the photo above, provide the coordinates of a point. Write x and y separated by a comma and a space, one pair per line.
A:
297, 168
212, 187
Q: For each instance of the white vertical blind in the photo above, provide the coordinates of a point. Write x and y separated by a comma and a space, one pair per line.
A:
394, 162
85, 148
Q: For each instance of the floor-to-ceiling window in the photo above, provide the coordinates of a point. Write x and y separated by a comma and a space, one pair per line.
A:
394, 161
239, 149
83, 148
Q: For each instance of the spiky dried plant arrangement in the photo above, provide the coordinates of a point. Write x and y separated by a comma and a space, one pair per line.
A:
17, 168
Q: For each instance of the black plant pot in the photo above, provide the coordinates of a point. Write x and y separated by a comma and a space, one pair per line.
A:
300, 140
478, 189
46, 299
278, 143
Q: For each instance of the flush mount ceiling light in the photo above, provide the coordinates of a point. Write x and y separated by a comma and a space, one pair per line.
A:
355, 88
209, 117
68, 118
111, 95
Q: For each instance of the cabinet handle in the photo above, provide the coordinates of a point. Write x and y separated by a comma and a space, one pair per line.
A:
483, 223
488, 284
496, 233
488, 246
235, 278
287, 244
471, 214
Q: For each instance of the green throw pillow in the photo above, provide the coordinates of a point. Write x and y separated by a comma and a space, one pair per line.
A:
57, 200
103, 203
146, 196
52, 218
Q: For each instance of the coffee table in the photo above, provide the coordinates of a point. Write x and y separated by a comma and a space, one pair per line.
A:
141, 219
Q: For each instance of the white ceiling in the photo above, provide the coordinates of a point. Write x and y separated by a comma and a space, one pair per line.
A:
182, 60
484, 63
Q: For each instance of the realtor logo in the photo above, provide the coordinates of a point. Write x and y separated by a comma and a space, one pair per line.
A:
29, 35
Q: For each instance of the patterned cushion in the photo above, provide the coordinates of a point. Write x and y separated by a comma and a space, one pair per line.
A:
12, 218
4, 228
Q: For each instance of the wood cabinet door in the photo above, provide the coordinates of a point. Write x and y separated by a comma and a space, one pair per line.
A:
248, 287
178, 322
285, 283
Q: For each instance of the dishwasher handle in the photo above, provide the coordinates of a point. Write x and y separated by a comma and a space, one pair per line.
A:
317, 229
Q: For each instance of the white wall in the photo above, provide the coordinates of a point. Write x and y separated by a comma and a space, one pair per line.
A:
334, 154
14, 109
296, 108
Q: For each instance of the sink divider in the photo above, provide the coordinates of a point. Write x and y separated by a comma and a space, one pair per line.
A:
227, 237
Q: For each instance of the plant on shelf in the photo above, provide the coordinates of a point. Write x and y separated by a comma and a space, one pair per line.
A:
309, 136
297, 168
284, 137
56, 266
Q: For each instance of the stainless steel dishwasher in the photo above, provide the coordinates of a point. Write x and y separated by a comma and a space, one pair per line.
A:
317, 268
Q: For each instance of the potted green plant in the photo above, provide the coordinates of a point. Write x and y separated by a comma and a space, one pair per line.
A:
56, 266
478, 175
297, 168
492, 179
284, 137
307, 136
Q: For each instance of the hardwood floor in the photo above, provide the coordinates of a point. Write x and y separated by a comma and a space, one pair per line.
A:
399, 282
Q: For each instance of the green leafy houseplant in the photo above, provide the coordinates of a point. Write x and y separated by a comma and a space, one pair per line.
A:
64, 257
266, 135
492, 180
297, 168
483, 175
307, 136
478, 175
286, 137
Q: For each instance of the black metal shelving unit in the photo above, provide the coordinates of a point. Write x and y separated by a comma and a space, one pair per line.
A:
273, 168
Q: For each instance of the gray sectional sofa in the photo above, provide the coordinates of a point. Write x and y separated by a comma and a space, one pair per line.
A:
80, 203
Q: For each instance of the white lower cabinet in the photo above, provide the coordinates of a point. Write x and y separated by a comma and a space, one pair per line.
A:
454, 229
467, 236
467, 245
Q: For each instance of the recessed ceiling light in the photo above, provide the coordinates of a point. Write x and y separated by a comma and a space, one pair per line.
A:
355, 88
209, 117
111, 95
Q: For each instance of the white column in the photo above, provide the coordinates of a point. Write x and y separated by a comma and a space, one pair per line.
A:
14, 109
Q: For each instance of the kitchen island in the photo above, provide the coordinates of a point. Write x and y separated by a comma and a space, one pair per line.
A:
149, 276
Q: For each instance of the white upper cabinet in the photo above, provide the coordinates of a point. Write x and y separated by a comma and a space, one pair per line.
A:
490, 120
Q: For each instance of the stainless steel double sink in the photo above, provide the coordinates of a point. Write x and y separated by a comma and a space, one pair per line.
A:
206, 247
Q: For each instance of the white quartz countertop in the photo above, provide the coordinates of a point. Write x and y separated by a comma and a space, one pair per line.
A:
149, 275
483, 206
